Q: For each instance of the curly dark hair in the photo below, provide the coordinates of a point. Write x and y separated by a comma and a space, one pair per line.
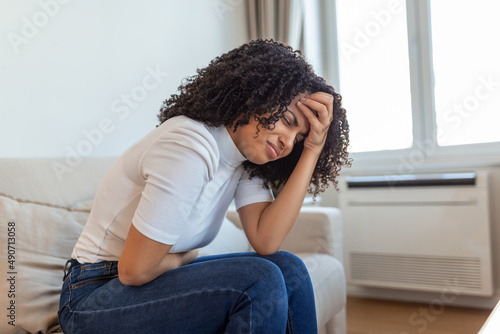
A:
258, 79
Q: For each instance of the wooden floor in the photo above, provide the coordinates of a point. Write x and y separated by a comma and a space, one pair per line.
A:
370, 316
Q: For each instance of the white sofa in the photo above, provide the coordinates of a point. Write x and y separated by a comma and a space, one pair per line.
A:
44, 204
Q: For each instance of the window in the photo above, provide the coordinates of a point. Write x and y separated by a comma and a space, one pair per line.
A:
420, 72
374, 74
466, 58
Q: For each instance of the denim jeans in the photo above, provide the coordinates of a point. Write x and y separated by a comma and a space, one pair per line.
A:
231, 293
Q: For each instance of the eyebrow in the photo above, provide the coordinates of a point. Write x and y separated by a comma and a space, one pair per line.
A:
296, 122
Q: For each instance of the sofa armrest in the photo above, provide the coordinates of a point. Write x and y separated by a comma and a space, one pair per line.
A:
317, 230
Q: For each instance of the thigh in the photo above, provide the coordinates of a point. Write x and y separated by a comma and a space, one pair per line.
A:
299, 290
196, 298
291, 266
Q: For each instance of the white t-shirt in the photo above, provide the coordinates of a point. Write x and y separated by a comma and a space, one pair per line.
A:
175, 185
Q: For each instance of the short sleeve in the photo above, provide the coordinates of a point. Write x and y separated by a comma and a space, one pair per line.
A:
251, 191
175, 167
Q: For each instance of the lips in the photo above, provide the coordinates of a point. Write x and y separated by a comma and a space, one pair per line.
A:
273, 150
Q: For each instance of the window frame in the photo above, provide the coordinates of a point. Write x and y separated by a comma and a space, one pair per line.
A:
425, 152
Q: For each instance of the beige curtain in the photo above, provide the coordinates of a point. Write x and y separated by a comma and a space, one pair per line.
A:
280, 20
305, 25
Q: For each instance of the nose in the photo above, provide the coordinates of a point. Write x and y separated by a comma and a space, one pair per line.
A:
287, 142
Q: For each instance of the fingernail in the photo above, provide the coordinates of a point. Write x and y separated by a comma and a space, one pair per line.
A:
302, 99
299, 103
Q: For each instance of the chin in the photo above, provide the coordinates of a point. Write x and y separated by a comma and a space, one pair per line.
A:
258, 162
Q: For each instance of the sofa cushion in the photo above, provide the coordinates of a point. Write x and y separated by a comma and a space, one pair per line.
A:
230, 239
328, 280
37, 179
39, 239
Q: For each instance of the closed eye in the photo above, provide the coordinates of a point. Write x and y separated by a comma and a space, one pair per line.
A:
289, 124
294, 123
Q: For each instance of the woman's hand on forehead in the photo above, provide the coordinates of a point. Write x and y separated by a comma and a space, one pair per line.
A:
318, 108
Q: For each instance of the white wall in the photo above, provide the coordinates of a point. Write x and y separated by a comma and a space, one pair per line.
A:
76, 76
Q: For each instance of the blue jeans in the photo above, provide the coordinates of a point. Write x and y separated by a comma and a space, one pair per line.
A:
232, 293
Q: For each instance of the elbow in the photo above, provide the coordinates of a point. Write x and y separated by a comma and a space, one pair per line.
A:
266, 252
266, 248
127, 277
264, 243
130, 280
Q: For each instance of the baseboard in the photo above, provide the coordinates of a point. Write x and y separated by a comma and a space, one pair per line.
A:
446, 298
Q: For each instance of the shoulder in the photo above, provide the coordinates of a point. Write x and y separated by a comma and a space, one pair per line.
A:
186, 131
184, 138
185, 125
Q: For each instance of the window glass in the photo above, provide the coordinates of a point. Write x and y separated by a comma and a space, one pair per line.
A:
374, 73
466, 61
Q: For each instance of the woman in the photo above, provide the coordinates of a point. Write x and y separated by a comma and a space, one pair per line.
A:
257, 117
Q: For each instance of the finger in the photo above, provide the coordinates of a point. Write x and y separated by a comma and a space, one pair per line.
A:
317, 129
321, 108
311, 116
324, 98
321, 96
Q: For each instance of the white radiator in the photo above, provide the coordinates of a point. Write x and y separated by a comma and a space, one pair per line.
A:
421, 232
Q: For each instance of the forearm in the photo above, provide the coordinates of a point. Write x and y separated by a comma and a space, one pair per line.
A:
143, 259
172, 261
143, 274
267, 225
278, 218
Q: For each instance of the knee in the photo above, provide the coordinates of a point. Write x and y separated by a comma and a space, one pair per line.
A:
264, 285
289, 263
262, 270
270, 287
287, 257
265, 297
263, 274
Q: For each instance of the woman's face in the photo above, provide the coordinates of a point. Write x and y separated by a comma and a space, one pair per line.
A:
270, 145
